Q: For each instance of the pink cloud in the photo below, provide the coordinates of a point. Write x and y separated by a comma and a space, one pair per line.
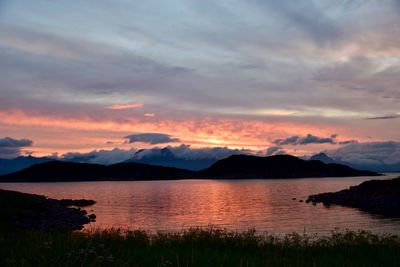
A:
126, 106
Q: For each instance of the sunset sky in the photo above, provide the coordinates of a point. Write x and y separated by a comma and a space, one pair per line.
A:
268, 76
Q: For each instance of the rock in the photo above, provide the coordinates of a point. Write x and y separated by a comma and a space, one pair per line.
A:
92, 217
22, 211
375, 196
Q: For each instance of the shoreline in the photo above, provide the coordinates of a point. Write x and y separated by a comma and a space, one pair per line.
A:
22, 211
196, 179
380, 197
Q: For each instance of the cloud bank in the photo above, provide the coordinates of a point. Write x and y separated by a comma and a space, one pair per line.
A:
305, 140
151, 138
182, 151
106, 157
380, 156
10, 147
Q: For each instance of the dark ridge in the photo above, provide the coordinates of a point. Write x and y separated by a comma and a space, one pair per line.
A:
59, 171
279, 166
375, 196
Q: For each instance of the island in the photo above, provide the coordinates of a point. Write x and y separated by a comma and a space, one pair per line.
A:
278, 166
380, 197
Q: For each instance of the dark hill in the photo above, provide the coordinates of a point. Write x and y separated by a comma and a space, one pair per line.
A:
71, 171
279, 166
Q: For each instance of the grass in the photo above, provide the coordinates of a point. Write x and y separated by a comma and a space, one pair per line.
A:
196, 247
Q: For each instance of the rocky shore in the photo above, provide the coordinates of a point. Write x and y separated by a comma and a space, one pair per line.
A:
21, 211
376, 196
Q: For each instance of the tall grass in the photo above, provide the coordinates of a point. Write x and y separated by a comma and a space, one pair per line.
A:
196, 247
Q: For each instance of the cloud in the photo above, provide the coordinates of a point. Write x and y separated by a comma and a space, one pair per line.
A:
126, 106
311, 139
387, 117
274, 150
183, 151
346, 142
312, 63
10, 147
381, 156
106, 157
305, 140
151, 138
187, 152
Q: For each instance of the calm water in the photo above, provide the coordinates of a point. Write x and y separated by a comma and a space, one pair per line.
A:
265, 205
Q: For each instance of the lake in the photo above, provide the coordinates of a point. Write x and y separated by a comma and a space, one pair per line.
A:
266, 205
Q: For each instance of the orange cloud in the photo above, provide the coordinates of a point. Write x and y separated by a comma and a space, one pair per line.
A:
85, 133
126, 106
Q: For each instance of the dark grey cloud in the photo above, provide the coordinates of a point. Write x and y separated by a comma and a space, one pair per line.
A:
11, 142
346, 142
305, 140
387, 117
10, 147
151, 138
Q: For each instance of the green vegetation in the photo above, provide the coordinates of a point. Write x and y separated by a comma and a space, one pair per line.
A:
196, 247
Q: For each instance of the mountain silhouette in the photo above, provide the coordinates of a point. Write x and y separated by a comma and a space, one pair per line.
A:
377, 167
72, 171
233, 167
19, 163
278, 166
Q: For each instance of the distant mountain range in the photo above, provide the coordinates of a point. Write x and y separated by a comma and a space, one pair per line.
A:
13, 165
382, 167
233, 167
71, 171
165, 157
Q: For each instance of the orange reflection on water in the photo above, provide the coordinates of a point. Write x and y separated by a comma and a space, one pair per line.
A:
265, 205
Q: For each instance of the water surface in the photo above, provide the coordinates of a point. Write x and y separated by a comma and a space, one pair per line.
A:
266, 205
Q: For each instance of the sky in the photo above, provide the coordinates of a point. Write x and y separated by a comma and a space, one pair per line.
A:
265, 76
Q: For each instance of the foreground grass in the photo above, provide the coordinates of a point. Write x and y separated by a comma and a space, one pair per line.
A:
196, 247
